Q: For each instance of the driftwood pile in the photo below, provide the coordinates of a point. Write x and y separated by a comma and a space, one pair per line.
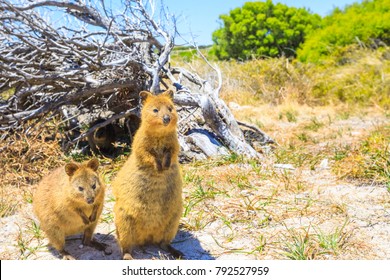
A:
84, 63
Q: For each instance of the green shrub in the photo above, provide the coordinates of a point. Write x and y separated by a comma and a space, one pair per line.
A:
366, 24
261, 29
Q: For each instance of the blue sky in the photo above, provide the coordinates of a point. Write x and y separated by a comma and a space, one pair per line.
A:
200, 17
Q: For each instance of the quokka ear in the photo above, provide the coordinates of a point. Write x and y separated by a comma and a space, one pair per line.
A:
144, 95
93, 164
71, 168
169, 93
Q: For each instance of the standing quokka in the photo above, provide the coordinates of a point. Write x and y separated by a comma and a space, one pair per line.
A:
69, 201
148, 188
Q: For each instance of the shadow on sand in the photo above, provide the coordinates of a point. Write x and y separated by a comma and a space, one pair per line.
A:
184, 241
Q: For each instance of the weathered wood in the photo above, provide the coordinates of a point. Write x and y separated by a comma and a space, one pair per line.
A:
207, 143
98, 63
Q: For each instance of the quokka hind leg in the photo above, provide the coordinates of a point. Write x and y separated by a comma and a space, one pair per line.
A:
127, 255
57, 241
89, 241
125, 245
66, 255
125, 225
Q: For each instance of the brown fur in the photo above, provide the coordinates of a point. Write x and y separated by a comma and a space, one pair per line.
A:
148, 188
69, 201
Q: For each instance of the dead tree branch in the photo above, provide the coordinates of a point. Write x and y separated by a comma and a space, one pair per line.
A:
89, 59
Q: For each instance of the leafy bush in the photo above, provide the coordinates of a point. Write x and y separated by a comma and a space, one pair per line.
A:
366, 23
262, 29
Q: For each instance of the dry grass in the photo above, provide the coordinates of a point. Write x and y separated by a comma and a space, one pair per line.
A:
366, 161
354, 77
23, 163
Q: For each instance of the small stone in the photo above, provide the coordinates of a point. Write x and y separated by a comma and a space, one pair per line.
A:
246, 193
107, 251
284, 166
324, 164
234, 106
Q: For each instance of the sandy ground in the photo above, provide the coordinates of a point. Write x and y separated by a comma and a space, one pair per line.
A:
367, 208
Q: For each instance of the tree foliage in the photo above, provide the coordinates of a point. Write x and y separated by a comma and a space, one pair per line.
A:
366, 23
262, 29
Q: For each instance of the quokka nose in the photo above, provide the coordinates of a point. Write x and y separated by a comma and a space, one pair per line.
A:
166, 119
90, 200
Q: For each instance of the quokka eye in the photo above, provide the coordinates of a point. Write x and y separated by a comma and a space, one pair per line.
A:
94, 186
81, 189
155, 110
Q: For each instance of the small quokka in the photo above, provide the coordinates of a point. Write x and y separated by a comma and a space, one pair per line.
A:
69, 201
148, 188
